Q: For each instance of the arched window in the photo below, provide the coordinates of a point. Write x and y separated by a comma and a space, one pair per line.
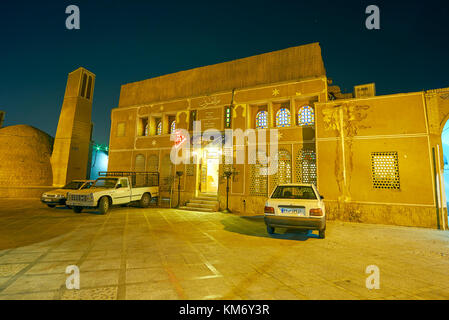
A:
262, 120
306, 116
283, 118
159, 128
147, 130
173, 126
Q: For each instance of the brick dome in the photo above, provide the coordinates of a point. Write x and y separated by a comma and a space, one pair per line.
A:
25, 156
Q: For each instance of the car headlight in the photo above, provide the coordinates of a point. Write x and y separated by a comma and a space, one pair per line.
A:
44, 195
59, 196
90, 197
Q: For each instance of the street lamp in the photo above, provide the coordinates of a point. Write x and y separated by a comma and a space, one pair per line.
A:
179, 174
227, 175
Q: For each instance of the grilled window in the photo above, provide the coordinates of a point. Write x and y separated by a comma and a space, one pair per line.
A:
258, 179
385, 170
306, 166
284, 173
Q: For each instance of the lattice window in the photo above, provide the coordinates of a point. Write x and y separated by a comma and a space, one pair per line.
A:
190, 169
306, 166
262, 120
284, 173
258, 181
159, 128
306, 116
258, 185
172, 126
283, 118
385, 170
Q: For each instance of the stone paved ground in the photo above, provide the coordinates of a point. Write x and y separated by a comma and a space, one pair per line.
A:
134, 253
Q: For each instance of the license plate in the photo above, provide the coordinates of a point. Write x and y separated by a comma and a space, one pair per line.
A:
299, 211
47, 200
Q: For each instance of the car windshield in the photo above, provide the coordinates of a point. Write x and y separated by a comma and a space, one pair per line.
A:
294, 192
105, 183
74, 185
87, 185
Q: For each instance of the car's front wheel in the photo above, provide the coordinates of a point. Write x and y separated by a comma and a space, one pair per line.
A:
104, 205
322, 234
270, 229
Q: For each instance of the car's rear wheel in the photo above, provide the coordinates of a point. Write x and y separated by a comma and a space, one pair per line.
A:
270, 229
77, 209
51, 205
322, 234
104, 205
145, 200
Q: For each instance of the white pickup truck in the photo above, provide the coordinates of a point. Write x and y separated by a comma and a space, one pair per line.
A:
116, 188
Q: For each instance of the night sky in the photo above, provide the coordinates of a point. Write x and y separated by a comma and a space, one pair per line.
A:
127, 41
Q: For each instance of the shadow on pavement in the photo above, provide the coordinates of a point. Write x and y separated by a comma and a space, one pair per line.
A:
29, 222
255, 226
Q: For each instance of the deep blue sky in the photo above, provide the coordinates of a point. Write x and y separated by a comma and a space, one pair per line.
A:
127, 41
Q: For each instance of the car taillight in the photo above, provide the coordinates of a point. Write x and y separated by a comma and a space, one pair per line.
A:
316, 212
269, 210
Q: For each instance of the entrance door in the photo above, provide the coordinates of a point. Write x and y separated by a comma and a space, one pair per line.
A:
209, 172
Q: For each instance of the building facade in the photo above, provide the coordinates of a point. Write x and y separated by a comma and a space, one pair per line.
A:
321, 133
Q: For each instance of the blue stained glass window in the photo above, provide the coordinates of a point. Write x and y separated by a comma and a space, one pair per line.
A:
262, 120
306, 116
283, 118
159, 128
147, 130
173, 127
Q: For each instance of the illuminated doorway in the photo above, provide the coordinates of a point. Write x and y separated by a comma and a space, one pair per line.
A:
209, 170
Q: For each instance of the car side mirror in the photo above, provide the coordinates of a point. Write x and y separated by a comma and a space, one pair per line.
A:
321, 197
118, 186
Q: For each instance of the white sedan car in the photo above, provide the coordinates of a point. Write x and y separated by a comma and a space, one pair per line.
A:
298, 206
59, 196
